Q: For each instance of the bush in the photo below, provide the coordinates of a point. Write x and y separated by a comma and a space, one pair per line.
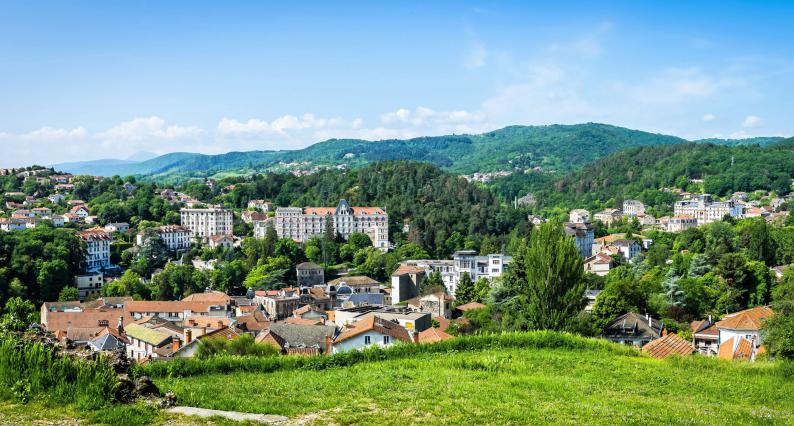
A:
30, 369
243, 345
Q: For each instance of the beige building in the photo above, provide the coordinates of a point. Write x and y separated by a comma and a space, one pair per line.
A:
705, 210
301, 224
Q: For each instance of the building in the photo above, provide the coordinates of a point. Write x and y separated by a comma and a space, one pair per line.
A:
607, 216
310, 274
278, 305
370, 331
626, 249
89, 285
599, 264
633, 208
579, 216
705, 337
174, 311
678, 223
405, 282
299, 339
82, 321
463, 262
121, 227
80, 211
740, 333
633, 329
261, 205
97, 254
174, 237
436, 304
668, 345
221, 241
583, 235
705, 210
301, 224
204, 223
357, 283
261, 227
144, 342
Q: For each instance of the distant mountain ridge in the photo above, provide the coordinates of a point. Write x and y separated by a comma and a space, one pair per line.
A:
553, 147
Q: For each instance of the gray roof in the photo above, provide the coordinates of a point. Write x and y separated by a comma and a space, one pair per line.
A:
366, 299
308, 265
107, 342
634, 325
298, 335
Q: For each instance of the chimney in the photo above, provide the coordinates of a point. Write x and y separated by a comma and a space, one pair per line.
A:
120, 325
328, 345
416, 337
220, 324
188, 335
175, 345
709, 319
650, 321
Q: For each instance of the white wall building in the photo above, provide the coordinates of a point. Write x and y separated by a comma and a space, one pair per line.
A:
633, 208
301, 224
464, 261
207, 222
175, 237
583, 235
705, 210
97, 254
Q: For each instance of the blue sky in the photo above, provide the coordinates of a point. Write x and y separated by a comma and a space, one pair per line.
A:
86, 80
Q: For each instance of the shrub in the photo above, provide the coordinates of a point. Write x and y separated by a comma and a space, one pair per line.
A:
31, 368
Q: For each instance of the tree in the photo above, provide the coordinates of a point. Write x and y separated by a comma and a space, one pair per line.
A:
779, 331
482, 289
68, 294
432, 284
269, 275
547, 276
658, 254
699, 266
465, 292
18, 314
622, 293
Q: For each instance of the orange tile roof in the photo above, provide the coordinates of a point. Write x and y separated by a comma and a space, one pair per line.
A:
301, 321
319, 210
744, 350
668, 345
726, 349
470, 306
214, 296
166, 306
367, 210
749, 319
206, 322
433, 335
407, 269
356, 280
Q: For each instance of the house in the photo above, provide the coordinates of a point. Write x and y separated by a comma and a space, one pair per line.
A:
740, 333
317, 298
436, 304
279, 305
463, 262
261, 205
705, 337
252, 323
591, 295
461, 310
299, 339
310, 274
57, 221
89, 285
78, 321
599, 264
109, 340
41, 211
210, 296
369, 331
120, 227
579, 216
173, 311
608, 216
221, 241
358, 283
705, 210
80, 211
633, 329
251, 217
668, 345
583, 235
56, 198
432, 335
626, 249
408, 319
144, 342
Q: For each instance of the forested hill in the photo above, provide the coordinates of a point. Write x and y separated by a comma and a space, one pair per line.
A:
553, 147
641, 172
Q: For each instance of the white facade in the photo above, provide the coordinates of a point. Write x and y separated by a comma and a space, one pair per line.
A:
633, 207
464, 261
705, 210
89, 285
362, 341
207, 222
301, 224
583, 236
175, 237
97, 254
579, 216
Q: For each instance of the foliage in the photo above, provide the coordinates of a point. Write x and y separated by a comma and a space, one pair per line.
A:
243, 345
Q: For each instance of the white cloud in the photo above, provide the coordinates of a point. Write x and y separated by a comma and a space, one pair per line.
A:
751, 121
147, 128
48, 134
709, 117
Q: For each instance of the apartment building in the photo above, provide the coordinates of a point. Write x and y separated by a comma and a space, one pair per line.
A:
633, 208
301, 224
206, 222
705, 210
97, 255
463, 261
174, 237
584, 236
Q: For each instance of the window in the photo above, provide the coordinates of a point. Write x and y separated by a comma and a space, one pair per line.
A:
367, 340
386, 340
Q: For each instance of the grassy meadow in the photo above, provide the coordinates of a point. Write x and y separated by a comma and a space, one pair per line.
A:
507, 386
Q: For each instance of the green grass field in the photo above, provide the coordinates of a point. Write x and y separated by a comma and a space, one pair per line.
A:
507, 386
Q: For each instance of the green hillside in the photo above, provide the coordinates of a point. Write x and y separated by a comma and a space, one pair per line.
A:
640, 173
581, 381
554, 147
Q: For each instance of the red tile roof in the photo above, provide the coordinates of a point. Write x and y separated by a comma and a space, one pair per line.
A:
433, 335
470, 306
376, 324
668, 345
